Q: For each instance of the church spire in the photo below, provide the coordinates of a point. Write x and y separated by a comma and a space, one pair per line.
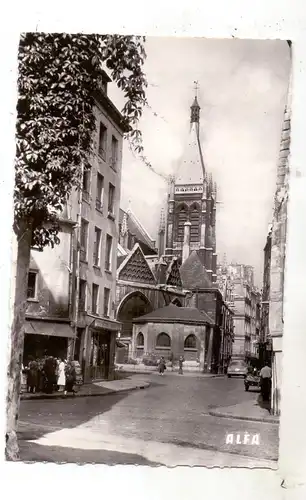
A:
190, 168
195, 108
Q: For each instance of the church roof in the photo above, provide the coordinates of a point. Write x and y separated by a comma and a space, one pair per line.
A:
193, 273
135, 268
191, 168
175, 314
135, 227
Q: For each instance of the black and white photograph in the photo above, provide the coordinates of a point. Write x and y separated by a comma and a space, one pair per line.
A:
149, 250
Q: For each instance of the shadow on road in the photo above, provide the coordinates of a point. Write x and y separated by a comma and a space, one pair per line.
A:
39, 417
32, 452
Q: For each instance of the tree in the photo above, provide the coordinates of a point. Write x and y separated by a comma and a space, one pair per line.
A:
58, 75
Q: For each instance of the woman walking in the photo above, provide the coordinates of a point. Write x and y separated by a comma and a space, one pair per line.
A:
181, 361
70, 377
61, 378
32, 378
161, 365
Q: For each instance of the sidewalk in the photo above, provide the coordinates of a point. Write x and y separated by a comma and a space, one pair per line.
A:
101, 388
248, 410
149, 370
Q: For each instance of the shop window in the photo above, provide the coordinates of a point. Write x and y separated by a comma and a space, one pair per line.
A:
163, 340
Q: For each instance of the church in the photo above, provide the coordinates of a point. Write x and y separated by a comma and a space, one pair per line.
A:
186, 244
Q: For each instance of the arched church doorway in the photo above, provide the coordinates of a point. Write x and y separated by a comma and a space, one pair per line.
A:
132, 306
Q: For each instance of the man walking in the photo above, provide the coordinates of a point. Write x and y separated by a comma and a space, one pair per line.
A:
266, 382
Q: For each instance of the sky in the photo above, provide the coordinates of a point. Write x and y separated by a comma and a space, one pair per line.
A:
242, 93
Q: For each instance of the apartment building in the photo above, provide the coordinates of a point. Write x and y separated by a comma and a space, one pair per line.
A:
246, 303
81, 272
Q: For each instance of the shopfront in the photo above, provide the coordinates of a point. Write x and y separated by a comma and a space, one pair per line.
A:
101, 346
46, 338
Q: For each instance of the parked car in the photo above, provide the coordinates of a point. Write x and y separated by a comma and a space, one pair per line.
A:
237, 368
252, 380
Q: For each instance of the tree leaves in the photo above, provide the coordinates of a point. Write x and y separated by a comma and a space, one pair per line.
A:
58, 74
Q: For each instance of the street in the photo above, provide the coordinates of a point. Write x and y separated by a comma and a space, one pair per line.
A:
167, 423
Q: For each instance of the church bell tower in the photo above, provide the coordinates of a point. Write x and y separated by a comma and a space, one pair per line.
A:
191, 212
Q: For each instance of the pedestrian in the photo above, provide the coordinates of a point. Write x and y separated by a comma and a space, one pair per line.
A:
181, 361
32, 378
70, 377
161, 365
61, 376
266, 382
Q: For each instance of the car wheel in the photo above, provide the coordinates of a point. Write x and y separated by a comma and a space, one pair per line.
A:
229, 376
246, 387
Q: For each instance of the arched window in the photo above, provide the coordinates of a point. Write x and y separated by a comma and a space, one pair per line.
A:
163, 340
195, 223
181, 218
190, 342
140, 340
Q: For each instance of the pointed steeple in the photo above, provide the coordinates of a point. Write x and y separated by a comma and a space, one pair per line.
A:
195, 108
191, 166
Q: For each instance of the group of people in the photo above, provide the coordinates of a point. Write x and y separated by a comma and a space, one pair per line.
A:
162, 366
49, 374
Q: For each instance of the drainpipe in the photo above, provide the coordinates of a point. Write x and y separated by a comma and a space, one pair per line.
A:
77, 263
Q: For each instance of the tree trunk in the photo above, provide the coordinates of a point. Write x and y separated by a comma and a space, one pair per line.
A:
21, 247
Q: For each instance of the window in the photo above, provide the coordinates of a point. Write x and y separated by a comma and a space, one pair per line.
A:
111, 198
106, 302
100, 191
140, 340
108, 252
190, 342
181, 219
163, 340
97, 245
94, 298
114, 157
32, 285
82, 295
83, 240
195, 223
102, 140
86, 183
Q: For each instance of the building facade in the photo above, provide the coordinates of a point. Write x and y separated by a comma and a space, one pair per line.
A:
278, 255
191, 208
265, 344
86, 259
245, 302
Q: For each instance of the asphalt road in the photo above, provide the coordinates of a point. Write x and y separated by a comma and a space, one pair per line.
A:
168, 423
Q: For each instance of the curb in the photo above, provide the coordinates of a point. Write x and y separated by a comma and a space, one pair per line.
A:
107, 392
267, 420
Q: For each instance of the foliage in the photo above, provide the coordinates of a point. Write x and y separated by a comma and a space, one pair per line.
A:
150, 360
58, 75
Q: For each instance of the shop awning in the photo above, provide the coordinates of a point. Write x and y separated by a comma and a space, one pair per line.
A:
49, 328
